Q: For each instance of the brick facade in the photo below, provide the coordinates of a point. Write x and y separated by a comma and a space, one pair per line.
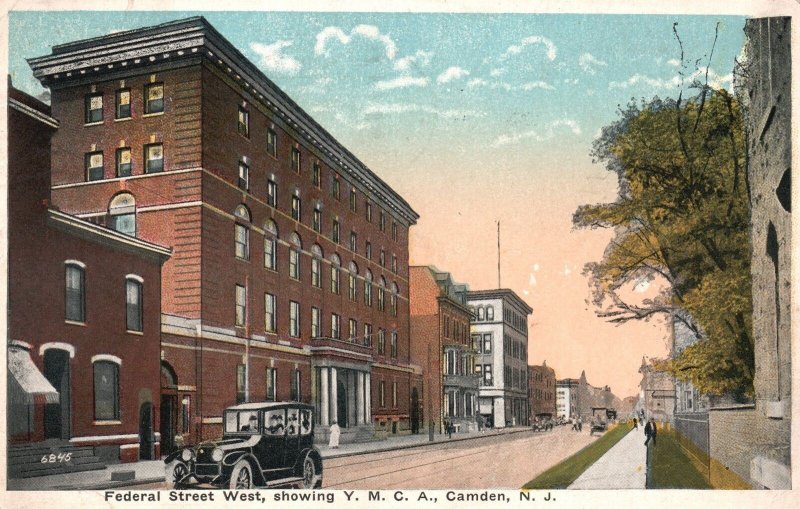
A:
542, 391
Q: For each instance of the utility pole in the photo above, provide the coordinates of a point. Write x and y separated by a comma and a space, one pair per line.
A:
498, 255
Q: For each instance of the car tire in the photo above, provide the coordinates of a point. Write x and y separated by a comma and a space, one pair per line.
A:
241, 476
176, 471
311, 479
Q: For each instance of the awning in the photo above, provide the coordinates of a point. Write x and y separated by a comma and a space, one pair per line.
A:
25, 379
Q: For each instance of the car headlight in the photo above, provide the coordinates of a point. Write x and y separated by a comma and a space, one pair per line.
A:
217, 454
186, 455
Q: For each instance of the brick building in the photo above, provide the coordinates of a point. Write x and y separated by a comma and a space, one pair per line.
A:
500, 329
440, 341
83, 322
656, 392
542, 391
289, 279
754, 440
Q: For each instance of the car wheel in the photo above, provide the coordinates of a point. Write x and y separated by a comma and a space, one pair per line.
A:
241, 476
311, 478
176, 471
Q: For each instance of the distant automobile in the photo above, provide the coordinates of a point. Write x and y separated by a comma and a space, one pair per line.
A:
263, 445
598, 425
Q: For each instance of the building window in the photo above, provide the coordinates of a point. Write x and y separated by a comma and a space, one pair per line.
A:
106, 391
271, 245
272, 384
381, 341
336, 187
154, 158
316, 266
272, 143
352, 332
295, 396
368, 211
393, 344
124, 165
316, 175
382, 393
316, 316
382, 221
490, 313
393, 299
336, 323
353, 242
487, 374
122, 214
335, 231
269, 312
394, 230
368, 289
272, 193
123, 103
133, 305
368, 250
75, 293
394, 394
242, 242
382, 258
351, 282
316, 222
481, 314
154, 98
296, 160
94, 166
94, 108
294, 319
296, 208
353, 200
367, 334
335, 286
382, 294
241, 384
244, 176
241, 305
394, 264
294, 256
243, 124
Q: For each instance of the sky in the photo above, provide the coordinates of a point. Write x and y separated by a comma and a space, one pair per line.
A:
473, 119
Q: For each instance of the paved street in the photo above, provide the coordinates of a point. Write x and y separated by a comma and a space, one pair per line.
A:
623, 467
505, 461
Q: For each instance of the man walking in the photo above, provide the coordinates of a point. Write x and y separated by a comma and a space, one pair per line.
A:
648, 431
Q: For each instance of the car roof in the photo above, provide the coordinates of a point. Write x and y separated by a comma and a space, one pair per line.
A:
267, 405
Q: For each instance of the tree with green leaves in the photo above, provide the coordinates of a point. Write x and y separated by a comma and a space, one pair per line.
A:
682, 218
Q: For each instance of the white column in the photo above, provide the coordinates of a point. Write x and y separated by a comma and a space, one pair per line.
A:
334, 408
359, 398
367, 398
324, 406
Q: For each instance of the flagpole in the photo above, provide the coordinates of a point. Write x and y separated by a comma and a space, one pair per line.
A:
498, 255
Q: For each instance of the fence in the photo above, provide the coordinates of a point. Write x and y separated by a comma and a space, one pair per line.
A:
693, 436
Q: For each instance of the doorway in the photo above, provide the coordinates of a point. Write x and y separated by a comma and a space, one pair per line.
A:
57, 415
146, 435
341, 403
414, 411
169, 423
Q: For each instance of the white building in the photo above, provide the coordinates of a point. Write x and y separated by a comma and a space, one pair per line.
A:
566, 397
500, 337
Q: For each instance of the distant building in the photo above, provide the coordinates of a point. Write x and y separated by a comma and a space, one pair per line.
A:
567, 398
500, 329
84, 322
657, 393
542, 390
440, 341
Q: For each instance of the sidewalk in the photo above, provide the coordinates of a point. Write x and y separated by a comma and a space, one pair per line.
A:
149, 472
624, 466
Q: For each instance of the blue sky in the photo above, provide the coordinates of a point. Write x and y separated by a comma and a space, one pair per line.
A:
473, 118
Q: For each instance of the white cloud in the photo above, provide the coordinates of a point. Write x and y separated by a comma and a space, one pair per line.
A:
549, 132
476, 82
273, 59
567, 270
402, 82
369, 32
497, 72
532, 280
452, 73
421, 58
395, 108
531, 85
652, 82
674, 62
515, 49
536, 267
714, 80
569, 81
588, 62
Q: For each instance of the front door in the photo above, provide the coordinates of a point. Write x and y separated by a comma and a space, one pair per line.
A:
341, 403
146, 436
169, 424
57, 415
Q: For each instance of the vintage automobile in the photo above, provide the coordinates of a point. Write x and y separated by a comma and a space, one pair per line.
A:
599, 426
263, 445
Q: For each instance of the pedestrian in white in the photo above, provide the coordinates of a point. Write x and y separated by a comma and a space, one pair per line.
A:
333, 442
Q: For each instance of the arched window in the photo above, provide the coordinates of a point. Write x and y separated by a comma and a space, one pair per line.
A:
335, 263
316, 266
294, 256
490, 312
394, 299
271, 245
481, 315
75, 291
351, 280
106, 390
382, 294
122, 214
242, 232
368, 288
133, 303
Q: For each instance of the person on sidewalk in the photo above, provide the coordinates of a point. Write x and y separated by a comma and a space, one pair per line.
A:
635, 423
653, 431
580, 424
648, 431
333, 441
574, 423
448, 427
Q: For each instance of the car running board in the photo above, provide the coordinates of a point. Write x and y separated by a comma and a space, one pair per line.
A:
284, 481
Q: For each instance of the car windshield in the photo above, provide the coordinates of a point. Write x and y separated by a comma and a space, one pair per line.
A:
242, 421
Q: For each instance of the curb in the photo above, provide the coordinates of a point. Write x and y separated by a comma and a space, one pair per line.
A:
106, 485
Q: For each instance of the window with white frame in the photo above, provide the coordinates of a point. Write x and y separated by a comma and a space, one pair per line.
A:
296, 160
316, 266
351, 281
154, 98
122, 214
124, 164
272, 384
94, 108
75, 293
270, 306
368, 288
243, 124
272, 143
154, 158
242, 233
241, 305
272, 193
352, 333
123, 103
94, 166
316, 221
336, 326
381, 341
393, 344
316, 316
133, 304
106, 391
244, 176
294, 256
335, 285
294, 319
271, 245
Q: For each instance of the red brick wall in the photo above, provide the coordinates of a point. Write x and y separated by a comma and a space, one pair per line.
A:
426, 340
